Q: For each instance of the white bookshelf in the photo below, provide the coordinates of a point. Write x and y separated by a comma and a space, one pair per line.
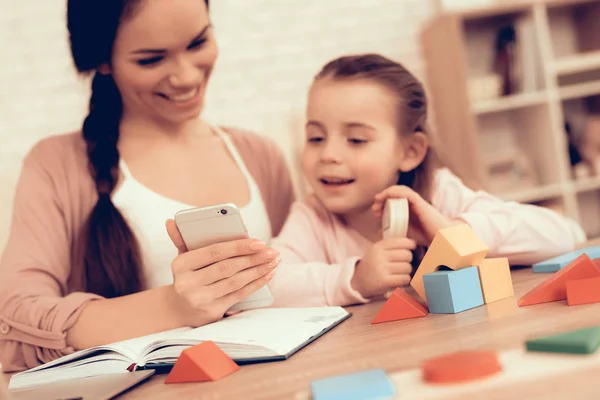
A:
577, 63
511, 102
579, 90
558, 54
535, 194
586, 184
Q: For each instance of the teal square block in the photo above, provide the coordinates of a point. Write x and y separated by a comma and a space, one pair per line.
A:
451, 292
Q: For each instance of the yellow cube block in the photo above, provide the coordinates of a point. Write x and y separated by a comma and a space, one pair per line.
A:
495, 278
455, 247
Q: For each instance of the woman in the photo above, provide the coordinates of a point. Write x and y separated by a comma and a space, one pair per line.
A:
88, 261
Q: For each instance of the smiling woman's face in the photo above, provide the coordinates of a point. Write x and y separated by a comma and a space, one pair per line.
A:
162, 60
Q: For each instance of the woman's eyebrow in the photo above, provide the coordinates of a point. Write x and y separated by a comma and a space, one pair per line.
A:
162, 51
316, 124
359, 125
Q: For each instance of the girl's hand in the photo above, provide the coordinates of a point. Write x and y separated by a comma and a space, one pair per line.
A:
424, 219
385, 266
210, 280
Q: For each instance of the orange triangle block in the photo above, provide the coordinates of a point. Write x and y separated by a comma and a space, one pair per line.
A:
555, 287
400, 305
200, 363
583, 291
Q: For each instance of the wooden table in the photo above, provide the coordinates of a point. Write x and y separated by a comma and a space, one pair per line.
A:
398, 346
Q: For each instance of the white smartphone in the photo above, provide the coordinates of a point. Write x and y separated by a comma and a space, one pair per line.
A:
203, 226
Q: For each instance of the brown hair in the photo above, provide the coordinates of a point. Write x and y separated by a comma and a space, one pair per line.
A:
111, 254
412, 106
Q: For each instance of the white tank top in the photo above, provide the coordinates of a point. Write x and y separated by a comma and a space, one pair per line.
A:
147, 211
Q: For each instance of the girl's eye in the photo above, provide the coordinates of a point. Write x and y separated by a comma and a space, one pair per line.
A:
315, 139
197, 43
357, 141
149, 61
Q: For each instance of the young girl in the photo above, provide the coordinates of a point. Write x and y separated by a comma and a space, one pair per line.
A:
366, 141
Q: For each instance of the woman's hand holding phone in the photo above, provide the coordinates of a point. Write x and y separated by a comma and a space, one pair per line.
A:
209, 280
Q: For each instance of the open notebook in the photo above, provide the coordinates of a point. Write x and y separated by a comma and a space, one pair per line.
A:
268, 334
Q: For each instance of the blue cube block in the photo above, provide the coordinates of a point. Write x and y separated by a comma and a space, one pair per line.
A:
451, 292
557, 263
368, 385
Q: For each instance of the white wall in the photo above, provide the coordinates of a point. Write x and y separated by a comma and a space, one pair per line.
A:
270, 49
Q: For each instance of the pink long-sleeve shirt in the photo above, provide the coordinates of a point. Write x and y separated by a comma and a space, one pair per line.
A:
319, 253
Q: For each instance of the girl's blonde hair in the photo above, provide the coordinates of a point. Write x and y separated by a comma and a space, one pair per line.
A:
412, 106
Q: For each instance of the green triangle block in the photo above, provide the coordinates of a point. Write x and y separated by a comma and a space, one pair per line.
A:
583, 341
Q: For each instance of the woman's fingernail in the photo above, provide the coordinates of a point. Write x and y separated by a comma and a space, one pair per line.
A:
254, 246
271, 253
274, 263
270, 275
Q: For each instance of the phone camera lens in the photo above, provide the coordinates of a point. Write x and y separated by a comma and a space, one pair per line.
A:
223, 211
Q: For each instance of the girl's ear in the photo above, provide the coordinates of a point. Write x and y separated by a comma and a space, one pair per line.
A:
415, 148
104, 69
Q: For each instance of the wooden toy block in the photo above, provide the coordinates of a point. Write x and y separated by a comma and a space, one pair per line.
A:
451, 292
555, 287
496, 281
583, 291
200, 363
394, 222
368, 385
582, 341
557, 263
400, 305
455, 247
461, 367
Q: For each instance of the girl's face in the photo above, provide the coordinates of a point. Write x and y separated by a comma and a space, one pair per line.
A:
162, 59
353, 149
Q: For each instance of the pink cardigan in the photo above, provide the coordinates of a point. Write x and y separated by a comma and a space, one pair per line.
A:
40, 290
318, 253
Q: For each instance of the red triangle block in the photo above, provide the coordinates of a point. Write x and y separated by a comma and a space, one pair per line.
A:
555, 287
400, 305
201, 363
583, 291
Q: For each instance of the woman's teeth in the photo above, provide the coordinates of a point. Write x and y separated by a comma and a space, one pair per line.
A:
183, 96
336, 181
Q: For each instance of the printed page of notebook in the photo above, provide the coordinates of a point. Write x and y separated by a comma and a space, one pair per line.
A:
25, 380
137, 346
131, 348
278, 329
